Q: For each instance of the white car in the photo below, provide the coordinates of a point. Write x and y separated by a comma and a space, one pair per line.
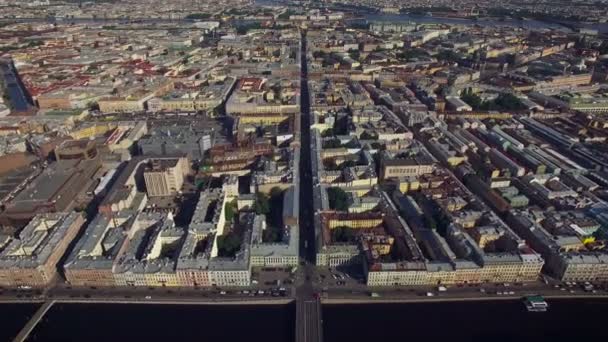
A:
148, 297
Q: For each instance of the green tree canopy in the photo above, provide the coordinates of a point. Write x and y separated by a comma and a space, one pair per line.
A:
338, 199
448, 55
509, 102
343, 234
198, 16
230, 210
328, 133
275, 207
472, 100
262, 205
228, 244
504, 101
332, 143
348, 163
368, 136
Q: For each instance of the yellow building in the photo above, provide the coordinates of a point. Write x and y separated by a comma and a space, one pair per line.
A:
263, 119
509, 272
115, 104
334, 152
31, 258
485, 235
404, 168
92, 130
354, 220
407, 184
90, 277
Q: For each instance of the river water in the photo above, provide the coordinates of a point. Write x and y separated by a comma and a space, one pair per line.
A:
170, 323
528, 24
13, 317
487, 321
483, 321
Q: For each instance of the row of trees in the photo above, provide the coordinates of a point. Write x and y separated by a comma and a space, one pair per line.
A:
198, 16
331, 165
271, 206
504, 101
411, 53
243, 29
230, 210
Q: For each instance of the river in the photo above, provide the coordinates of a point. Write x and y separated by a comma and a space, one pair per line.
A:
495, 321
14, 317
527, 24
487, 321
152, 322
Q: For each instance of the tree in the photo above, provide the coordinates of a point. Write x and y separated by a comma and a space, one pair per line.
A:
198, 16
330, 164
412, 53
376, 146
472, 99
271, 234
448, 55
509, 102
228, 244
603, 49
338, 199
275, 216
332, 143
229, 211
343, 234
319, 54
348, 163
368, 136
275, 193
261, 204
328, 133
243, 29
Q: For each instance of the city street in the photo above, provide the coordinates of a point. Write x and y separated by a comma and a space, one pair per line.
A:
308, 307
